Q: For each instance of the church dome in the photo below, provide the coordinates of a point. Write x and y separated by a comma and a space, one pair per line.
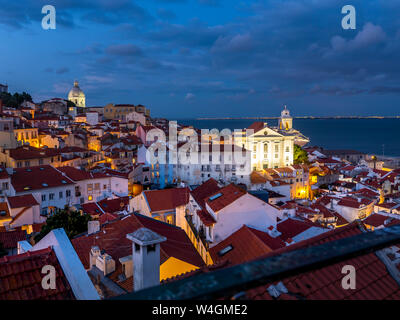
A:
76, 95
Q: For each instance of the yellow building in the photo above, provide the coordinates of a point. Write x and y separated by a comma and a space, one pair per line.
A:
27, 136
119, 111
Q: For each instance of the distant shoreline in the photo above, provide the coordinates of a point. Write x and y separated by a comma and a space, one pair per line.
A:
304, 117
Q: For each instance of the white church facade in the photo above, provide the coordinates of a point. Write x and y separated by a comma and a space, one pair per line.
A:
77, 96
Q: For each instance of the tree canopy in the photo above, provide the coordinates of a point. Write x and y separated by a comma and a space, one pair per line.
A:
300, 156
73, 222
14, 100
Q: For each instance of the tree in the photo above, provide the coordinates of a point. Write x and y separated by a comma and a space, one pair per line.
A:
3, 251
299, 156
14, 100
73, 222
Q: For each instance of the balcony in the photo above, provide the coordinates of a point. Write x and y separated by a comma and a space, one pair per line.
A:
200, 235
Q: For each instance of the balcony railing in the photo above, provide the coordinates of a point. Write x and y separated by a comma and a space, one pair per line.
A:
227, 282
199, 235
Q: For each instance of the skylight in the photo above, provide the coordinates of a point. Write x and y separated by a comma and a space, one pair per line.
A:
215, 196
45, 184
225, 250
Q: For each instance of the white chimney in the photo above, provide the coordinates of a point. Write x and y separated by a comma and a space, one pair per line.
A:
127, 266
146, 258
93, 226
93, 254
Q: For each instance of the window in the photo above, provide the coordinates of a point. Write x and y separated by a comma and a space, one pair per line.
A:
5, 186
19, 164
276, 148
265, 148
97, 186
90, 187
68, 193
60, 195
43, 197
27, 163
51, 196
170, 219
43, 212
40, 161
287, 149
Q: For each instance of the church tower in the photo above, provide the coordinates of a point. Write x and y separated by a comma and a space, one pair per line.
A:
77, 96
285, 121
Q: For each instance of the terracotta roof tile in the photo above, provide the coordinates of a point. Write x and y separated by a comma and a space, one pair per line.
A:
247, 244
205, 190
166, 199
224, 197
22, 201
373, 280
40, 177
10, 239
112, 239
21, 277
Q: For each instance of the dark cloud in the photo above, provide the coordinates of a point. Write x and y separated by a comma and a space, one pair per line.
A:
62, 70
268, 52
124, 50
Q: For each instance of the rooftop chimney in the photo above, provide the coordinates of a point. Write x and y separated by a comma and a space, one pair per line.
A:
93, 227
146, 258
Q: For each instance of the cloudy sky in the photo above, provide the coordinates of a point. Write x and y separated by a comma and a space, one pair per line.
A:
192, 58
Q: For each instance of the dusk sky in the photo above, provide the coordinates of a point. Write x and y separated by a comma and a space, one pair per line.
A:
205, 58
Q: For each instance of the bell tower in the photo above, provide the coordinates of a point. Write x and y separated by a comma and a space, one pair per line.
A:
286, 120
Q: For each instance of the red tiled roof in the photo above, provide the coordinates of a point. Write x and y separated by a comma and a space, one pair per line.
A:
247, 244
114, 205
256, 126
229, 194
91, 208
167, 199
293, 227
3, 173
353, 203
23, 201
40, 177
79, 175
375, 220
28, 152
107, 217
10, 239
21, 277
373, 279
204, 191
257, 178
112, 239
